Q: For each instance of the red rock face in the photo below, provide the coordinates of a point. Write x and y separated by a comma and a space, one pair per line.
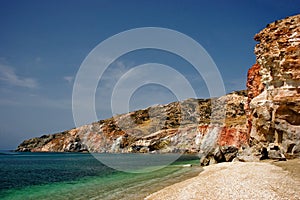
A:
236, 137
274, 87
254, 88
254, 83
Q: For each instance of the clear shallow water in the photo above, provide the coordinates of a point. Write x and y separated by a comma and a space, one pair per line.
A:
81, 176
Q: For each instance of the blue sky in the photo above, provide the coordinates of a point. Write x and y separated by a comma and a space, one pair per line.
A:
43, 43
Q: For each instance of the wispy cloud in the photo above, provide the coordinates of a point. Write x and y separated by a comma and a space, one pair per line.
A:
141, 82
38, 60
16, 98
8, 75
235, 84
69, 79
113, 73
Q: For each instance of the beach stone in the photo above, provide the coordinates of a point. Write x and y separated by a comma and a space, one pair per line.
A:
220, 154
296, 150
264, 154
229, 152
276, 155
248, 155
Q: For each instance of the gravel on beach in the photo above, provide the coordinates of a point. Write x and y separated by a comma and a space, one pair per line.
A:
238, 180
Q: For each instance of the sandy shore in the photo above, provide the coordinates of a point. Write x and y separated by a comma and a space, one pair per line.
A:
238, 180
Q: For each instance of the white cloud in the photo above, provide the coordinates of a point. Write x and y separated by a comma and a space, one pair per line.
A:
115, 72
69, 79
8, 75
37, 59
14, 98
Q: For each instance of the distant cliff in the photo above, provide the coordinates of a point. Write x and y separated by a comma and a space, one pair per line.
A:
175, 127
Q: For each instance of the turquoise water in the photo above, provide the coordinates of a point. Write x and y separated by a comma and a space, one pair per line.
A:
81, 176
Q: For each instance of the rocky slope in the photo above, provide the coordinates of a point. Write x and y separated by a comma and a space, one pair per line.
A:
274, 90
176, 127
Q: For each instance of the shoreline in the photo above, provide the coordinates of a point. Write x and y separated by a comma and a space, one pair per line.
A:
239, 180
84, 177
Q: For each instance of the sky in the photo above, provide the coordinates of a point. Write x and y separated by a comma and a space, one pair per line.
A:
44, 43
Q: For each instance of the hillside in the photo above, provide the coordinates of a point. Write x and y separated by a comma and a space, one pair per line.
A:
175, 127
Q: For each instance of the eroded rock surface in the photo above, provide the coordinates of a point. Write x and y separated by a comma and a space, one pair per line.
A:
274, 89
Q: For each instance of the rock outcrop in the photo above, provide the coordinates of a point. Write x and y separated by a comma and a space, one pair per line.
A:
176, 127
274, 90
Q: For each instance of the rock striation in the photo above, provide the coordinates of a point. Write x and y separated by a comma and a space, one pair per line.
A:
273, 84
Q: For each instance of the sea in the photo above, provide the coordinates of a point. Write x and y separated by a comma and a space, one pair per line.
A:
83, 176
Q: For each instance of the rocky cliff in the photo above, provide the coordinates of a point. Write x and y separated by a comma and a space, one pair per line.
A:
176, 127
274, 90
